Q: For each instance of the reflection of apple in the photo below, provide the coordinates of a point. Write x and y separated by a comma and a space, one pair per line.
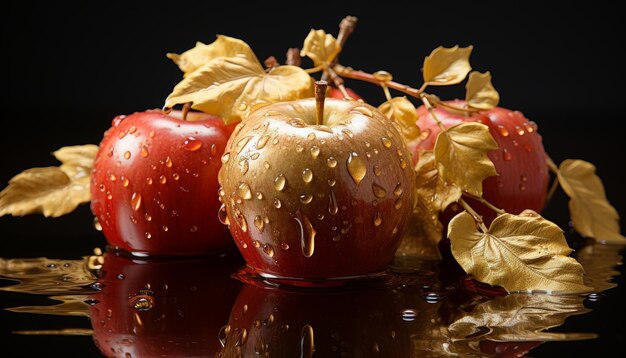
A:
312, 201
163, 308
154, 183
267, 322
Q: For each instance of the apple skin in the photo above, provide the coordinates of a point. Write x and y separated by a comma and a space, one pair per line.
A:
344, 323
154, 184
284, 177
184, 311
520, 159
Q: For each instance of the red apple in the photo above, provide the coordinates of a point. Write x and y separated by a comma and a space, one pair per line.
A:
154, 184
520, 160
316, 201
158, 308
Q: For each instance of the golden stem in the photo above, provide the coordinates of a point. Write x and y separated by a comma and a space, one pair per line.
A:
486, 203
348, 72
346, 28
386, 91
475, 215
430, 109
293, 57
314, 69
320, 97
186, 108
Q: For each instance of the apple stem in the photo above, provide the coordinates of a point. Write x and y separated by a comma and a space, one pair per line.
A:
186, 108
475, 215
346, 28
320, 98
293, 57
271, 62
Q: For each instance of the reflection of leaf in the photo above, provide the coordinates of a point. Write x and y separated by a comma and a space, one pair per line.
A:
590, 210
53, 191
447, 66
320, 47
223, 46
517, 318
600, 263
71, 305
519, 253
480, 93
423, 233
230, 87
461, 156
403, 112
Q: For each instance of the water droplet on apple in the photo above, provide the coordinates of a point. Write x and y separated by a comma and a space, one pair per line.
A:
320, 217
306, 198
147, 234
379, 191
524, 177
243, 166
386, 142
280, 182
126, 155
268, 249
175, 176
377, 170
506, 155
266, 165
331, 162
96, 224
135, 201
297, 122
262, 142
256, 243
502, 130
222, 215
133, 220
168, 162
147, 217
333, 208
259, 223
311, 136
515, 143
425, 134
165, 228
398, 204
284, 245
315, 151
332, 182
225, 157
356, 167
397, 191
125, 181
194, 228
299, 148
162, 179
242, 106
522, 187
362, 110
102, 187
307, 234
519, 130
117, 120
307, 175
395, 230
244, 191
192, 144
378, 219
242, 143
122, 134
277, 203
402, 163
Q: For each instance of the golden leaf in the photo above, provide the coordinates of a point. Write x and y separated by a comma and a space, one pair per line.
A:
600, 263
519, 252
223, 46
422, 235
479, 92
589, 208
461, 156
430, 189
53, 191
320, 47
230, 87
404, 113
447, 66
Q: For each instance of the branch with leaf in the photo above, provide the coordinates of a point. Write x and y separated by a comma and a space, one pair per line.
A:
225, 78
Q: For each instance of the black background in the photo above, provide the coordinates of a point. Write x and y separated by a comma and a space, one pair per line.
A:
69, 69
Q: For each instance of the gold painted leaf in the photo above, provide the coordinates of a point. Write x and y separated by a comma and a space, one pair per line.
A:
519, 253
223, 46
320, 47
589, 208
479, 92
231, 87
404, 113
447, 66
461, 156
52, 191
430, 189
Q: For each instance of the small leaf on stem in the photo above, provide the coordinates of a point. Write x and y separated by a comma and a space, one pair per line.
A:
447, 66
479, 92
592, 214
430, 188
53, 191
519, 253
223, 46
320, 47
403, 112
461, 156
